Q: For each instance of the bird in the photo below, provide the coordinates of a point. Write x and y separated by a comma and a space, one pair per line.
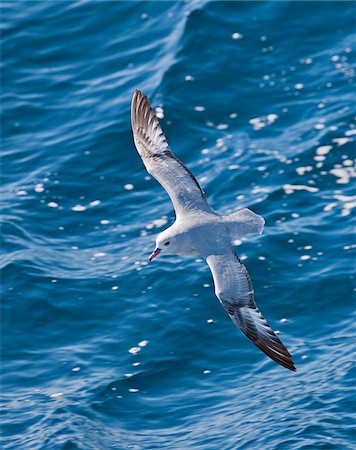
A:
199, 230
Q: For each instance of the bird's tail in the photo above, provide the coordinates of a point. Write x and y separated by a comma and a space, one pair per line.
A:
245, 222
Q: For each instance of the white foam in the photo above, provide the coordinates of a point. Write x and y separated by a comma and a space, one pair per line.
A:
319, 126
222, 126
343, 174
350, 132
271, 117
260, 122
159, 222
95, 203
349, 202
329, 206
199, 108
99, 254
78, 208
349, 247
290, 188
236, 36
305, 257
341, 141
299, 86
319, 158
348, 162
39, 187
129, 187
56, 395
159, 112
134, 350
303, 170
259, 189
52, 204
323, 149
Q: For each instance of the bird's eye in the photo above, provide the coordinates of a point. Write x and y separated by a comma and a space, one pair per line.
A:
166, 243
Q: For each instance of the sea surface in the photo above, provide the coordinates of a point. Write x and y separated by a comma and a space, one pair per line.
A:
102, 350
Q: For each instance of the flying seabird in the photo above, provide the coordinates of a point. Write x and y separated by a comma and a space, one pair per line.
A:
199, 230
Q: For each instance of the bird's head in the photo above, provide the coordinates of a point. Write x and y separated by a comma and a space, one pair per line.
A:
166, 242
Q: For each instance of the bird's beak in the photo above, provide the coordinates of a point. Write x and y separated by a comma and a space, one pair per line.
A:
155, 253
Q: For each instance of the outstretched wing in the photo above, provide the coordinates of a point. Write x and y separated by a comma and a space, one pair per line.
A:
160, 162
234, 290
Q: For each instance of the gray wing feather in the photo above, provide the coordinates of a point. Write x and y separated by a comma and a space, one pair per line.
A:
234, 290
160, 162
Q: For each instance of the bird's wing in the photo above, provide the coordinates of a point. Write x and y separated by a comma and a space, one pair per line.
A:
234, 290
160, 162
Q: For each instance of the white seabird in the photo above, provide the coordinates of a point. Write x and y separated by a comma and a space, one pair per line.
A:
199, 230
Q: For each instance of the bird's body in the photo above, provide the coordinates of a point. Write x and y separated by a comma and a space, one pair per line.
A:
199, 230
211, 230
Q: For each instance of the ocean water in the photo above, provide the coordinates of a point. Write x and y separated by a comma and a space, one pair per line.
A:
102, 350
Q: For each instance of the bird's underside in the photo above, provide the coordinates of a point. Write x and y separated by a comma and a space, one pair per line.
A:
232, 282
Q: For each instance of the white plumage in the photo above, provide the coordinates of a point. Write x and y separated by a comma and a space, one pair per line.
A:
199, 230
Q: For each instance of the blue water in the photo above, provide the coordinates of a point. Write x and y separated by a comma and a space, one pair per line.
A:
101, 350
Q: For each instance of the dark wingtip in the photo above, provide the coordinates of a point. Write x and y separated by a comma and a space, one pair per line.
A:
136, 102
279, 354
293, 368
136, 95
290, 365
